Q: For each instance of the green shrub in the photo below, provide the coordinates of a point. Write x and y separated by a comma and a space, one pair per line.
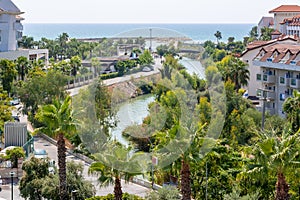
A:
110, 75
164, 193
126, 196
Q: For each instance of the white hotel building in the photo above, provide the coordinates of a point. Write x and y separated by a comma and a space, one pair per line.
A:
11, 30
274, 66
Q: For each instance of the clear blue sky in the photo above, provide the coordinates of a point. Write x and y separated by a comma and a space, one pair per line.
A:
147, 11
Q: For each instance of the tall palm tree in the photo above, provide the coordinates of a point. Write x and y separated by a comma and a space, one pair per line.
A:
292, 108
218, 35
58, 121
275, 155
23, 67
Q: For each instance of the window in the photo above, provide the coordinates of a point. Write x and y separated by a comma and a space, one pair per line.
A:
258, 77
282, 80
293, 81
282, 97
258, 93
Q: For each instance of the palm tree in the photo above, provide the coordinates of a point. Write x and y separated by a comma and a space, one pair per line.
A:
111, 166
58, 121
292, 108
234, 69
75, 63
218, 35
22, 67
275, 155
166, 71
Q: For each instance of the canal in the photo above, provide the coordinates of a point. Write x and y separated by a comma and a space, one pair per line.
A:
134, 111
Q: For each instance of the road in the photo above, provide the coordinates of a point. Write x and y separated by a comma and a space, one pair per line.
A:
124, 78
40, 143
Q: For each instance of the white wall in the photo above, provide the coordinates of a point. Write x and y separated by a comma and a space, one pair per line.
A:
252, 83
8, 34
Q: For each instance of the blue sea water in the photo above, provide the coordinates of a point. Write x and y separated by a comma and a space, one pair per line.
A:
196, 32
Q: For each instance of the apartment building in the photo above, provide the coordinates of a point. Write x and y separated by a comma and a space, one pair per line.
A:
274, 71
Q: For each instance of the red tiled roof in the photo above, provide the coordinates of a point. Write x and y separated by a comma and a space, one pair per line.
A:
282, 50
259, 44
286, 8
276, 32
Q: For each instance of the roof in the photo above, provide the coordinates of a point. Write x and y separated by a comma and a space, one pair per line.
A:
259, 44
9, 6
276, 32
286, 8
292, 50
266, 21
292, 21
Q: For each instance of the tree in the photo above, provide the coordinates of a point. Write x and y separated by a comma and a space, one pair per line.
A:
253, 33
5, 109
218, 35
234, 69
75, 63
23, 67
7, 73
38, 183
108, 167
58, 122
27, 42
291, 107
14, 154
145, 58
31, 184
275, 154
62, 41
164, 193
95, 64
75, 182
266, 33
36, 90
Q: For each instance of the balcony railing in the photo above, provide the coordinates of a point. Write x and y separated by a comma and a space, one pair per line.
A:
268, 78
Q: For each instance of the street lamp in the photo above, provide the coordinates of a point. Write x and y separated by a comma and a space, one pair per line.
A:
12, 184
74, 192
150, 48
264, 98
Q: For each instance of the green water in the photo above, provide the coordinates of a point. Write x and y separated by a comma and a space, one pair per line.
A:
130, 113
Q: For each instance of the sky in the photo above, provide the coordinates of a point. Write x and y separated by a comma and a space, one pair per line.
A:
151, 11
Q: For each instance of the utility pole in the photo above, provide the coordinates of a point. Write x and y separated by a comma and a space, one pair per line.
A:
206, 177
264, 98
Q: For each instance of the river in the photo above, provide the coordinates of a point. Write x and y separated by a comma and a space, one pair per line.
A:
135, 110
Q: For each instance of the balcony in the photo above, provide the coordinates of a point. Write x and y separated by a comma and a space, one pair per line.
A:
18, 26
294, 83
268, 78
271, 96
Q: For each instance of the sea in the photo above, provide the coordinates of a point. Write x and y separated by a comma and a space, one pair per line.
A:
196, 32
